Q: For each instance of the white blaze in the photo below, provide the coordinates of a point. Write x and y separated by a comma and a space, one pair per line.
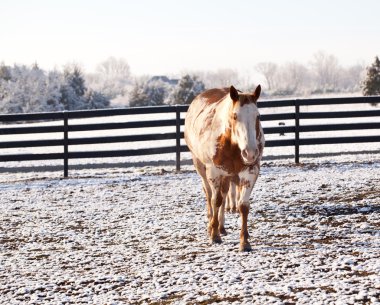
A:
244, 133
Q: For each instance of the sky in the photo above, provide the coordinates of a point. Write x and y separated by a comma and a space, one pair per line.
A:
158, 37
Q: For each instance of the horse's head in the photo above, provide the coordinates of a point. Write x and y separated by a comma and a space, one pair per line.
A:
244, 120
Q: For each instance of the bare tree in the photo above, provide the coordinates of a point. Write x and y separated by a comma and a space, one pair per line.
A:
291, 78
114, 68
352, 78
327, 70
221, 78
111, 78
268, 69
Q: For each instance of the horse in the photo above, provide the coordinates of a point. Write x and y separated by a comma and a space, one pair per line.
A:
225, 137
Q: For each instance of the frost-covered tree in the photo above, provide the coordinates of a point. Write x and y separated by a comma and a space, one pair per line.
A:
327, 72
268, 70
69, 99
73, 89
149, 92
50, 100
157, 91
137, 96
186, 90
351, 78
371, 83
114, 68
290, 79
96, 100
112, 77
5, 73
220, 78
74, 77
29, 90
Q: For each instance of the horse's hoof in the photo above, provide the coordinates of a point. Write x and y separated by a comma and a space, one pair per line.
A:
246, 247
216, 240
222, 231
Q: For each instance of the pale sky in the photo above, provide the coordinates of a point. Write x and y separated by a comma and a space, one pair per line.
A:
169, 36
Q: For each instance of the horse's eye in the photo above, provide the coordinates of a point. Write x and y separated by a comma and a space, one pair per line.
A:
235, 117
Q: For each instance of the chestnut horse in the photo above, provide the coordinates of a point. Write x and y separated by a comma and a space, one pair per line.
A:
225, 137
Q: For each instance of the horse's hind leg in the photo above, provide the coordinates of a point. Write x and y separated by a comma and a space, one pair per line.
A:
219, 186
225, 185
209, 209
201, 169
232, 198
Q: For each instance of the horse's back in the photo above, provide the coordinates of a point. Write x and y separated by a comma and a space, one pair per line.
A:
213, 95
205, 102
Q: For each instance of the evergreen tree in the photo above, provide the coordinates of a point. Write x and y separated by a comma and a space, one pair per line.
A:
137, 97
186, 90
5, 73
75, 79
157, 91
69, 100
150, 92
73, 89
5, 76
96, 100
371, 84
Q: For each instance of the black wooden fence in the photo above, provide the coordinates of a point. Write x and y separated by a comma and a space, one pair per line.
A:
296, 115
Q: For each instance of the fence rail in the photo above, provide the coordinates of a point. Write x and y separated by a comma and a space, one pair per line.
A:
66, 127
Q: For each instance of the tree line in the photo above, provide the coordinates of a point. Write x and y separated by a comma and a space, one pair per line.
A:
30, 89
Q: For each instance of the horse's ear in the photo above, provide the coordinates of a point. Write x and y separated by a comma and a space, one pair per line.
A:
256, 94
234, 94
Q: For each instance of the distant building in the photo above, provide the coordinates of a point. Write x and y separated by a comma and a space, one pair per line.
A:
164, 79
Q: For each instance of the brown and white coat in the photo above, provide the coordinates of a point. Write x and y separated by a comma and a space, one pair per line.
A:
226, 139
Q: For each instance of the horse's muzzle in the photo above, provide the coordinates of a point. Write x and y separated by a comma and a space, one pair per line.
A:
249, 156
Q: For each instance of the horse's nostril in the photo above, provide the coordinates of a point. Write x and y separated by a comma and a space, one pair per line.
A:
249, 155
245, 153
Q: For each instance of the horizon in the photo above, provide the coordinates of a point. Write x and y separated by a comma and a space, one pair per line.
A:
171, 37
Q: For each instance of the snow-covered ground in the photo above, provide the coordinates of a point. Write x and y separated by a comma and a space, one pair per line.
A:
138, 236
118, 234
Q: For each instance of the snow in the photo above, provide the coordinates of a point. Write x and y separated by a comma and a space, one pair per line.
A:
138, 236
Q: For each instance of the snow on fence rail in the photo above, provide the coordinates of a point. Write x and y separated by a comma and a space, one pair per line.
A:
68, 125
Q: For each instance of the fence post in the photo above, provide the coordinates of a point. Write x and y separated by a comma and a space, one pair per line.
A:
65, 144
297, 132
178, 138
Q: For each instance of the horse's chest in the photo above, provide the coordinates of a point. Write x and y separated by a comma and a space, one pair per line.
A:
228, 157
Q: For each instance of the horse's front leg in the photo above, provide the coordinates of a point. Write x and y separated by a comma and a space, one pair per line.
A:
219, 187
246, 185
243, 207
